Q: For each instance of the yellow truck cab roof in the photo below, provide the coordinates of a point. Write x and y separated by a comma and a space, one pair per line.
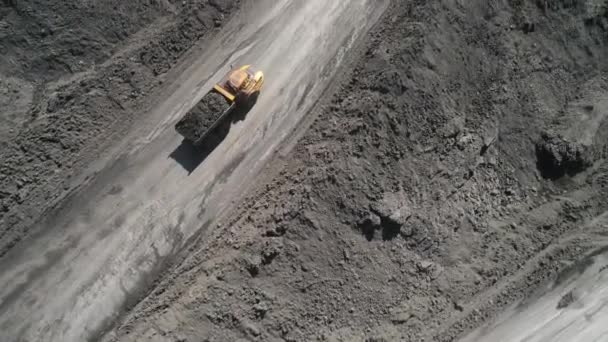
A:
237, 78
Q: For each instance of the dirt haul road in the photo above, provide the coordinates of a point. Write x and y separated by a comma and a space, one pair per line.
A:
93, 257
573, 308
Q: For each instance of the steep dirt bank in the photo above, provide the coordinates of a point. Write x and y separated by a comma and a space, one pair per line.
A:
74, 76
460, 165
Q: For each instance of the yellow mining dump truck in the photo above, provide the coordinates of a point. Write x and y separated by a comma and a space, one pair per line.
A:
239, 88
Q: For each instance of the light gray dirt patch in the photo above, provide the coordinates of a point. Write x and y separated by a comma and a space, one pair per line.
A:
15, 99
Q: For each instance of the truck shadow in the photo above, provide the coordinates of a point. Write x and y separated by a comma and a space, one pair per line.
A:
190, 156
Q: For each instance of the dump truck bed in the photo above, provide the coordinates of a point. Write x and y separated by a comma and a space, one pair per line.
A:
212, 109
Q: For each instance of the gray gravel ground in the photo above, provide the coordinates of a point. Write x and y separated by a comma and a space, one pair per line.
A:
458, 168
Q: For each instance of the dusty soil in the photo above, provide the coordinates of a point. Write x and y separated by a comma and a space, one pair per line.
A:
73, 76
460, 165
201, 117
